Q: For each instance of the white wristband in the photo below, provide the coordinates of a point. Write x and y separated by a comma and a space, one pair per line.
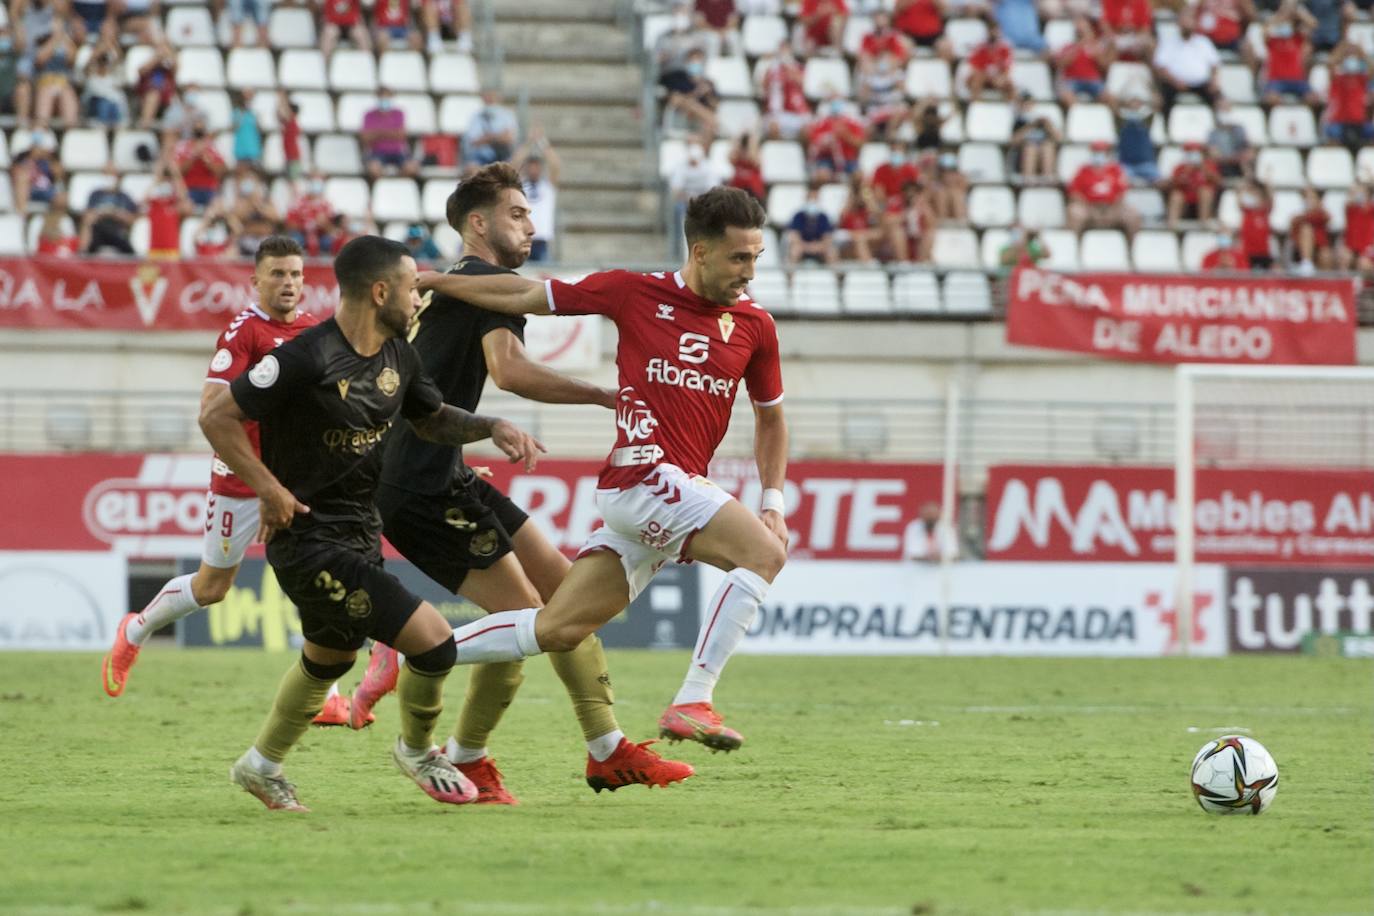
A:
772, 500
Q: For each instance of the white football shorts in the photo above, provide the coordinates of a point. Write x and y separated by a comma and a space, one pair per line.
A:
231, 523
651, 523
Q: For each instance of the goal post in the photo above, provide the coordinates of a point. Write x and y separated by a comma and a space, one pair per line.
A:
1257, 417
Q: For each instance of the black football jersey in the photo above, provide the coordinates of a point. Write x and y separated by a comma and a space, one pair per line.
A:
324, 412
448, 336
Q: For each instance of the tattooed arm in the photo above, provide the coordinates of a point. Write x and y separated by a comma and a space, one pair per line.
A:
451, 425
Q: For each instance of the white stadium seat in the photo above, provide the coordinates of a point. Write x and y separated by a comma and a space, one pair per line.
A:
955, 248
301, 68
983, 163
447, 240
965, 34
453, 73
1252, 119
1364, 164
403, 71
201, 66
737, 116
338, 154
251, 68
771, 256
855, 28
825, 76
655, 26
395, 199
928, 77
456, 112
1063, 249
866, 292
1089, 122
991, 245
1196, 246
352, 107
784, 200
79, 188
989, 122
916, 292
1041, 208
291, 27
125, 149
1155, 250
134, 58
991, 205
1280, 167
730, 75
832, 198
349, 196
219, 111
190, 26
815, 291
1330, 167
1072, 157
1292, 125
761, 35
12, 234
264, 105
1237, 83
1190, 123
1126, 79
352, 70
136, 184
1149, 203
85, 148
434, 198
1033, 76
1059, 34
419, 112
770, 289
1103, 249
782, 160
1333, 202
316, 114
1287, 204
967, 293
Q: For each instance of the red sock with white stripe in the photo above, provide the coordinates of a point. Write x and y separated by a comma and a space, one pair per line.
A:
500, 637
171, 604
729, 614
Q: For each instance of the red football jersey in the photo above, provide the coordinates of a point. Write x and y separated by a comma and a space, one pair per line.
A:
681, 359
250, 336
1359, 226
391, 14
1105, 184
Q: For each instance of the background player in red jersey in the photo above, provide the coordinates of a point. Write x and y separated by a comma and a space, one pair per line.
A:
687, 339
231, 507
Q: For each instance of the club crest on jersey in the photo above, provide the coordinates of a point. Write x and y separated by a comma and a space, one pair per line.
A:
388, 381
727, 326
343, 389
665, 311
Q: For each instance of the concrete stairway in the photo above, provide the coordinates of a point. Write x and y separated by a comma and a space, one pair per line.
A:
576, 64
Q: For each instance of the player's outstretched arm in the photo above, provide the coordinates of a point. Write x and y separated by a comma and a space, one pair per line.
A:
221, 420
451, 425
512, 370
506, 293
770, 453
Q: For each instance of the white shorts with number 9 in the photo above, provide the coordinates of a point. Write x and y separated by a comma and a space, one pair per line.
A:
231, 523
652, 522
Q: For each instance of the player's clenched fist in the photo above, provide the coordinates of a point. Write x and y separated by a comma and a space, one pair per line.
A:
516, 443
277, 507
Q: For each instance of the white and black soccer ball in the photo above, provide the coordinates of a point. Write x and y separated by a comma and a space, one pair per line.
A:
1234, 775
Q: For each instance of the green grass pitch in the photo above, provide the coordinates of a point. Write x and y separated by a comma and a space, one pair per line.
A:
866, 785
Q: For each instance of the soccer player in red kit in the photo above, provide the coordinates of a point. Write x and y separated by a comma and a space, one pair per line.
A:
231, 508
687, 340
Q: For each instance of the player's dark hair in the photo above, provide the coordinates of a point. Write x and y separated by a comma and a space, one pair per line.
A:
278, 246
710, 214
480, 192
365, 260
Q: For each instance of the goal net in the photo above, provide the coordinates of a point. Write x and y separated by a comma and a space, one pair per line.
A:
1258, 419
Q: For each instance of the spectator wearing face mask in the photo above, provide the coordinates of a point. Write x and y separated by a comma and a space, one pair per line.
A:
989, 66
385, 146
810, 235
1226, 256
1097, 194
891, 176
948, 191
1346, 120
200, 166
165, 205
1256, 237
1229, 144
786, 112
834, 141
1285, 40
1135, 148
310, 218
1034, 143
1310, 235
675, 46
695, 97
1358, 238
1186, 62
1193, 186
821, 26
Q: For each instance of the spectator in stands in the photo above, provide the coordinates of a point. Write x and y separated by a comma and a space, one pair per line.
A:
310, 218
348, 228
892, 176
948, 191
392, 26
1288, 51
720, 20
811, 235
1229, 144
289, 117
1310, 235
1129, 28
924, 22
1255, 234
1135, 148
53, 62
1097, 194
884, 38
858, 231
1330, 16
491, 133
786, 113
1224, 23
96, 18
747, 172
157, 84
16, 92
1358, 237
693, 176
140, 19
240, 11
1227, 256
343, 17
540, 169
927, 539
387, 151
695, 97
1024, 248
102, 90
1186, 62
183, 115
820, 27
420, 244
924, 129
1082, 64
216, 238
450, 19
1020, 22
1346, 120
881, 95
914, 236
243, 198
247, 132
166, 204
1034, 143
1193, 186
834, 140
989, 66
108, 217
676, 45
36, 174
54, 238
200, 166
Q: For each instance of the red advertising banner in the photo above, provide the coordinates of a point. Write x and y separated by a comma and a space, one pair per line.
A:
1184, 319
1290, 517
153, 506
193, 295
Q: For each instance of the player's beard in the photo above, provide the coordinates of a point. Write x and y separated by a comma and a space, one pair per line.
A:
394, 316
509, 256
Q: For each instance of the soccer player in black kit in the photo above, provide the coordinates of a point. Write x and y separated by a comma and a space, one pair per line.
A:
325, 402
470, 537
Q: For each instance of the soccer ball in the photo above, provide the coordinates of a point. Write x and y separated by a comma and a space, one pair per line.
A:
1234, 775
